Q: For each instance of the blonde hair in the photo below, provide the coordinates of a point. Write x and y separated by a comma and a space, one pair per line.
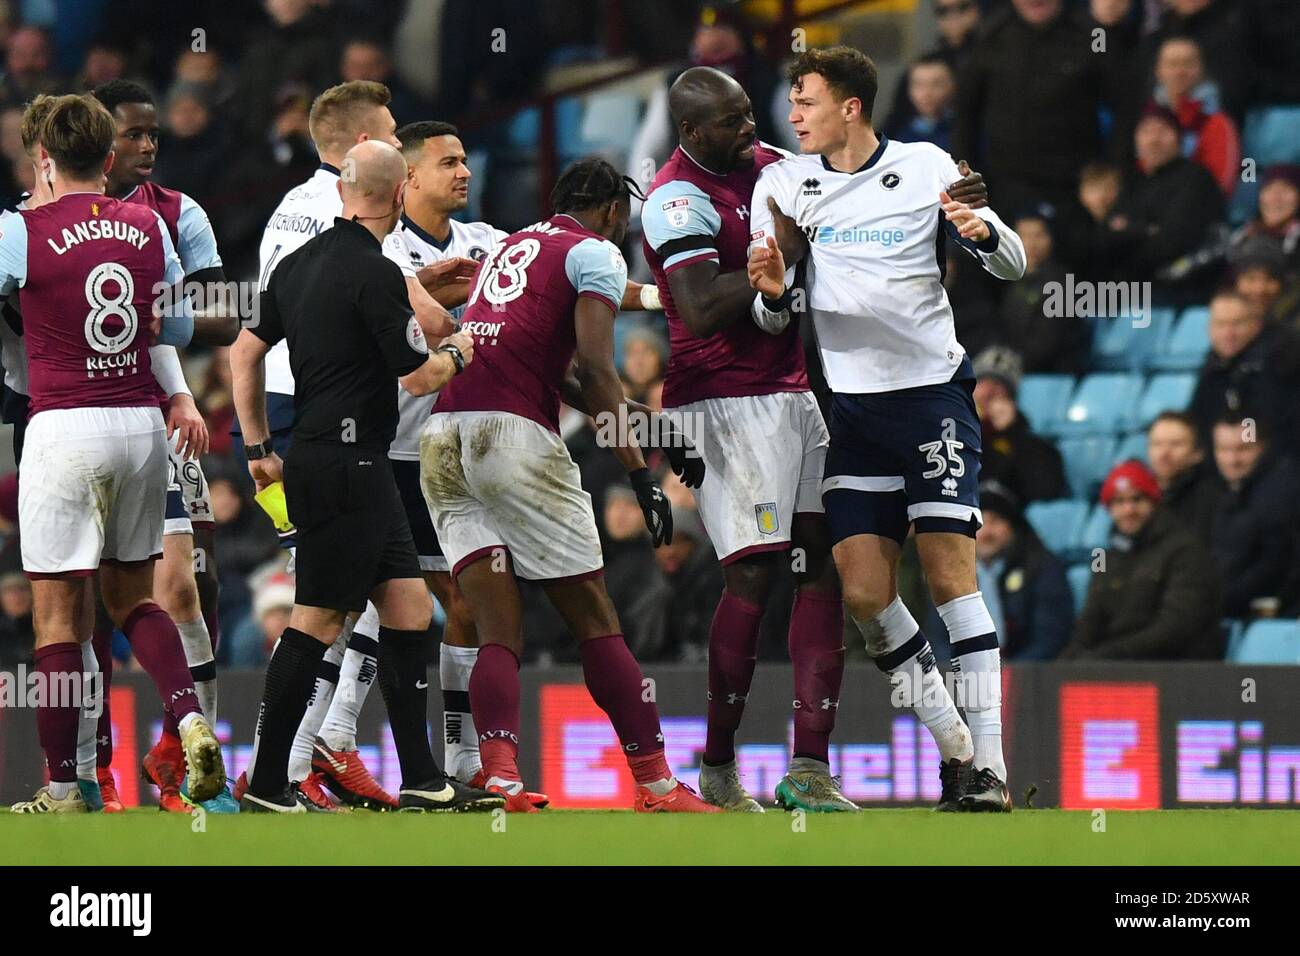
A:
34, 117
337, 114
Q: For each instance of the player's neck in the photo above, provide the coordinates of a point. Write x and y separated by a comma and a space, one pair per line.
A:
435, 222
861, 143
119, 190
64, 187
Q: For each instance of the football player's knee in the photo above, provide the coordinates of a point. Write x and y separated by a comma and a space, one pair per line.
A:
867, 598
750, 579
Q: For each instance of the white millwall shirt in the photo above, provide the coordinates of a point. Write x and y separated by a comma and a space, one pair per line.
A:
412, 249
304, 213
874, 277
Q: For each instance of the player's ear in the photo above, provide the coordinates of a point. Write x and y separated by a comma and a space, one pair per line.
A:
108, 160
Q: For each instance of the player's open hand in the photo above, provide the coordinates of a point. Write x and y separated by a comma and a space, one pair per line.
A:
767, 269
186, 429
970, 189
446, 272
789, 237
266, 471
969, 225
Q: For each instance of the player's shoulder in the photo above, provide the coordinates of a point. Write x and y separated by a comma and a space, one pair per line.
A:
918, 154
597, 253
477, 238
678, 208
788, 168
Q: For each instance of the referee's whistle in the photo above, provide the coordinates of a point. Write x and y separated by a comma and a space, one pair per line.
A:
271, 500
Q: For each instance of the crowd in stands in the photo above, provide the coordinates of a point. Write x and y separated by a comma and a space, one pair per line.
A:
1139, 496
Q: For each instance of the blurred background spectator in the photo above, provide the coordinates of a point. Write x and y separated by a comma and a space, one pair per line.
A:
1026, 464
17, 638
1157, 597
1189, 485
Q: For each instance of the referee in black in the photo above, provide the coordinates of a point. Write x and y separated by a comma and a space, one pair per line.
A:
343, 308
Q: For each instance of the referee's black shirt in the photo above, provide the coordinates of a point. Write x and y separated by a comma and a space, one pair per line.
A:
343, 308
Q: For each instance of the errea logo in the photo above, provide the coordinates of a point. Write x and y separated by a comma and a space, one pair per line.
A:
76, 909
812, 187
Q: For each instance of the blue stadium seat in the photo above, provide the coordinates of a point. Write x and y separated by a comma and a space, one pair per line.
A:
1186, 346
1043, 399
1271, 136
1087, 459
611, 119
1080, 577
1101, 404
1267, 642
1119, 344
1131, 446
1096, 531
1058, 523
1169, 391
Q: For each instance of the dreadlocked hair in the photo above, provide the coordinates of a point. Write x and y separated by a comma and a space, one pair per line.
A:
590, 183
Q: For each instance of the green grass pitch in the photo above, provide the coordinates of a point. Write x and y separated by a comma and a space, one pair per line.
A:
874, 837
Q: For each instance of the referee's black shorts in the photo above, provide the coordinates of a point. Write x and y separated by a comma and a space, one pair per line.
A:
352, 528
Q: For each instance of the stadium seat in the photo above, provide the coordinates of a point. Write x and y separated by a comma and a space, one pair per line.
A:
1058, 523
1080, 577
1267, 642
1096, 531
1131, 446
1087, 459
1043, 400
611, 119
1187, 344
1270, 136
1101, 404
1119, 344
1170, 391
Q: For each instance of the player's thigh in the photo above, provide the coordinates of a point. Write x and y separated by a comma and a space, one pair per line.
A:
948, 562
938, 436
754, 454
522, 474
465, 529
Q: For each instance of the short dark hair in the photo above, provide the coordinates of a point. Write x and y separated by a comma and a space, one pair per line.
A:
588, 184
1243, 418
848, 72
413, 135
116, 92
1180, 418
78, 134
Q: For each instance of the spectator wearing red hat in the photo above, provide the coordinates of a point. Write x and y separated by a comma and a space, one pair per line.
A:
1157, 597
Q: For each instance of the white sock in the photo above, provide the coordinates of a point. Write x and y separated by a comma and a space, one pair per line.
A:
356, 677
87, 725
896, 644
183, 725
59, 789
327, 678
203, 668
977, 662
460, 739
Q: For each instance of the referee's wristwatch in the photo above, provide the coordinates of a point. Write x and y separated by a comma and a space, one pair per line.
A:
256, 451
455, 356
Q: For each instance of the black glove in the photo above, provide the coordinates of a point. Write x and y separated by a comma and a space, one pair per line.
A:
658, 511
684, 460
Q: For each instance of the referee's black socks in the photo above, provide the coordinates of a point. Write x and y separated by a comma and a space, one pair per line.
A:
290, 676
404, 682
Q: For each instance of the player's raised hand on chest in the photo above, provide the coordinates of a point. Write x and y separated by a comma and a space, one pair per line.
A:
789, 237
970, 189
969, 225
767, 269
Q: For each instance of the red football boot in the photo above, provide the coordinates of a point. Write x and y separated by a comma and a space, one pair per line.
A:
108, 790
348, 779
680, 799
540, 800
515, 802
164, 767
310, 788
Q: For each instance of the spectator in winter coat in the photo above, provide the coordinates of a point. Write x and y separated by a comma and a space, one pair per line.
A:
1012, 454
1189, 485
1157, 598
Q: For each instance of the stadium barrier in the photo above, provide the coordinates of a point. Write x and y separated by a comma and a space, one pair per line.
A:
1118, 736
